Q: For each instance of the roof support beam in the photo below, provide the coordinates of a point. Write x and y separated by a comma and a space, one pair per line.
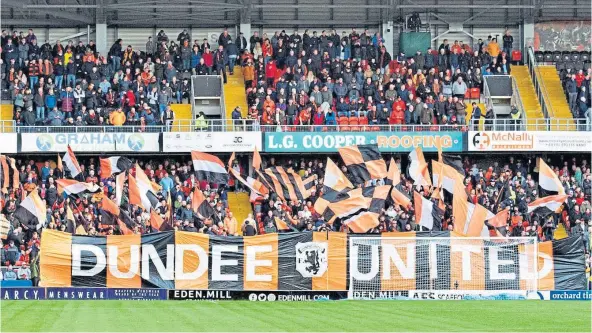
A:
55, 13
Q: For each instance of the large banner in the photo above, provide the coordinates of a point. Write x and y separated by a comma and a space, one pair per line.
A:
90, 142
298, 261
329, 142
215, 142
501, 141
8, 143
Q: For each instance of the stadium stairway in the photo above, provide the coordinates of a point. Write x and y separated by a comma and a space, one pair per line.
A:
556, 101
183, 117
532, 107
240, 205
6, 114
234, 93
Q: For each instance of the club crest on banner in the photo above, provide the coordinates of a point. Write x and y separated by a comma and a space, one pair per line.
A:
311, 259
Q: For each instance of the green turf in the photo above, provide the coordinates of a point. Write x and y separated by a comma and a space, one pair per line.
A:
328, 316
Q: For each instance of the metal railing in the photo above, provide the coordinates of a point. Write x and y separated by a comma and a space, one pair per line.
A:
208, 125
517, 99
539, 85
7, 126
222, 125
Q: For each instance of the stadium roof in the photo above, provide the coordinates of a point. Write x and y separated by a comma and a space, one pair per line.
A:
279, 13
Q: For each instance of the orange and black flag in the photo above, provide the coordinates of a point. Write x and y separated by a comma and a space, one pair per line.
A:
157, 223
70, 220
363, 162
287, 184
281, 225
367, 219
5, 174
394, 174
201, 206
499, 222
256, 159
400, 197
335, 187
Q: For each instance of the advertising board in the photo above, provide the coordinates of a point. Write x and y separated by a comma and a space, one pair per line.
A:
9, 143
498, 141
90, 142
329, 142
221, 142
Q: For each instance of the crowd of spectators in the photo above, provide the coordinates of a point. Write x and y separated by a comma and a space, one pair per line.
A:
493, 184
351, 79
74, 85
577, 88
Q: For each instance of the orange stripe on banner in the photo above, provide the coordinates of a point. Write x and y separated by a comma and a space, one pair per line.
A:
546, 264
287, 181
261, 262
335, 278
398, 263
195, 261
467, 264
527, 265
127, 262
55, 262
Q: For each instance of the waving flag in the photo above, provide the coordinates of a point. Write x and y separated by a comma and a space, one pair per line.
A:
363, 162
400, 198
288, 185
551, 203
469, 218
418, 168
424, 212
72, 163
253, 184
209, 167
114, 164
5, 175
394, 174
499, 222
71, 186
367, 219
141, 192
201, 206
32, 210
335, 185
157, 223
548, 178
256, 159
119, 181
446, 176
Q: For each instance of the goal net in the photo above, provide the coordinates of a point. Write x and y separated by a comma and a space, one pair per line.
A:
442, 267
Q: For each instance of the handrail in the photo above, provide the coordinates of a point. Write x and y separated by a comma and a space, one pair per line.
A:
541, 89
517, 100
7, 126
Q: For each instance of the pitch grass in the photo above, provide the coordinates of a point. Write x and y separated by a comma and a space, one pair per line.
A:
327, 316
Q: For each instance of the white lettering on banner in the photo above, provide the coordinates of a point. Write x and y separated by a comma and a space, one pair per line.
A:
112, 255
390, 254
337, 141
149, 253
462, 295
202, 265
90, 142
466, 258
218, 262
9, 145
495, 262
252, 263
184, 142
77, 260
353, 263
373, 255
552, 141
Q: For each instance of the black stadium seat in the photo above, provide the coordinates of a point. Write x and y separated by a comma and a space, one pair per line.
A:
575, 56
557, 56
565, 56
585, 56
539, 56
548, 56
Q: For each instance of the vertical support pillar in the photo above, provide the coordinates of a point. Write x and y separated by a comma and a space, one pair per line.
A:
527, 35
388, 32
101, 29
245, 20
